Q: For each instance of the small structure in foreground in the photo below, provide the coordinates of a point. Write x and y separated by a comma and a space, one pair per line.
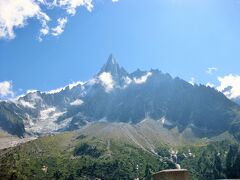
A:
172, 174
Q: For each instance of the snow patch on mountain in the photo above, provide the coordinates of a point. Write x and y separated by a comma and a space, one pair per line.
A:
127, 81
91, 82
143, 78
26, 104
55, 91
31, 100
46, 121
77, 102
74, 84
49, 112
31, 91
34, 97
70, 86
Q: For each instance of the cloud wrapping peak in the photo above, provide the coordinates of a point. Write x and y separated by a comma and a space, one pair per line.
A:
6, 89
107, 81
230, 86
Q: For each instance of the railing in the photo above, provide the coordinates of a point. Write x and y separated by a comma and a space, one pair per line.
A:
172, 174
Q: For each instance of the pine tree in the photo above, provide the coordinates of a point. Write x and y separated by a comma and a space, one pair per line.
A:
217, 167
236, 167
205, 165
148, 172
230, 159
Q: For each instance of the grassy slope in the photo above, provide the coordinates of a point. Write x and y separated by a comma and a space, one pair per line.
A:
58, 154
108, 153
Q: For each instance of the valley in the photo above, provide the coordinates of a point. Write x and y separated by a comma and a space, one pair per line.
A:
109, 151
107, 126
119, 89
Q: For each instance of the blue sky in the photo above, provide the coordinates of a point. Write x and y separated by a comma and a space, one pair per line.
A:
181, 37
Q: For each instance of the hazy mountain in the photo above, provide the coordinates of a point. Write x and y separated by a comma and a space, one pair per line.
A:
237, 100
114, 95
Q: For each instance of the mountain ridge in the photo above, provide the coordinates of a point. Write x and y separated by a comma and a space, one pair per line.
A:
114, 95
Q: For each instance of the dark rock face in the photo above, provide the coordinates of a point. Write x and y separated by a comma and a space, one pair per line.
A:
10, 121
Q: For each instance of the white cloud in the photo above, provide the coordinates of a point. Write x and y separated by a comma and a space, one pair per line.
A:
210, 85
77, 102
192, 81
142, 79
107, 81
211, 70
60, 27
14, 14
72, 5
6, 89
44, 31
230, 86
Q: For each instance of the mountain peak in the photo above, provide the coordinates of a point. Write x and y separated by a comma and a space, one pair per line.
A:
111, 60
111, 66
